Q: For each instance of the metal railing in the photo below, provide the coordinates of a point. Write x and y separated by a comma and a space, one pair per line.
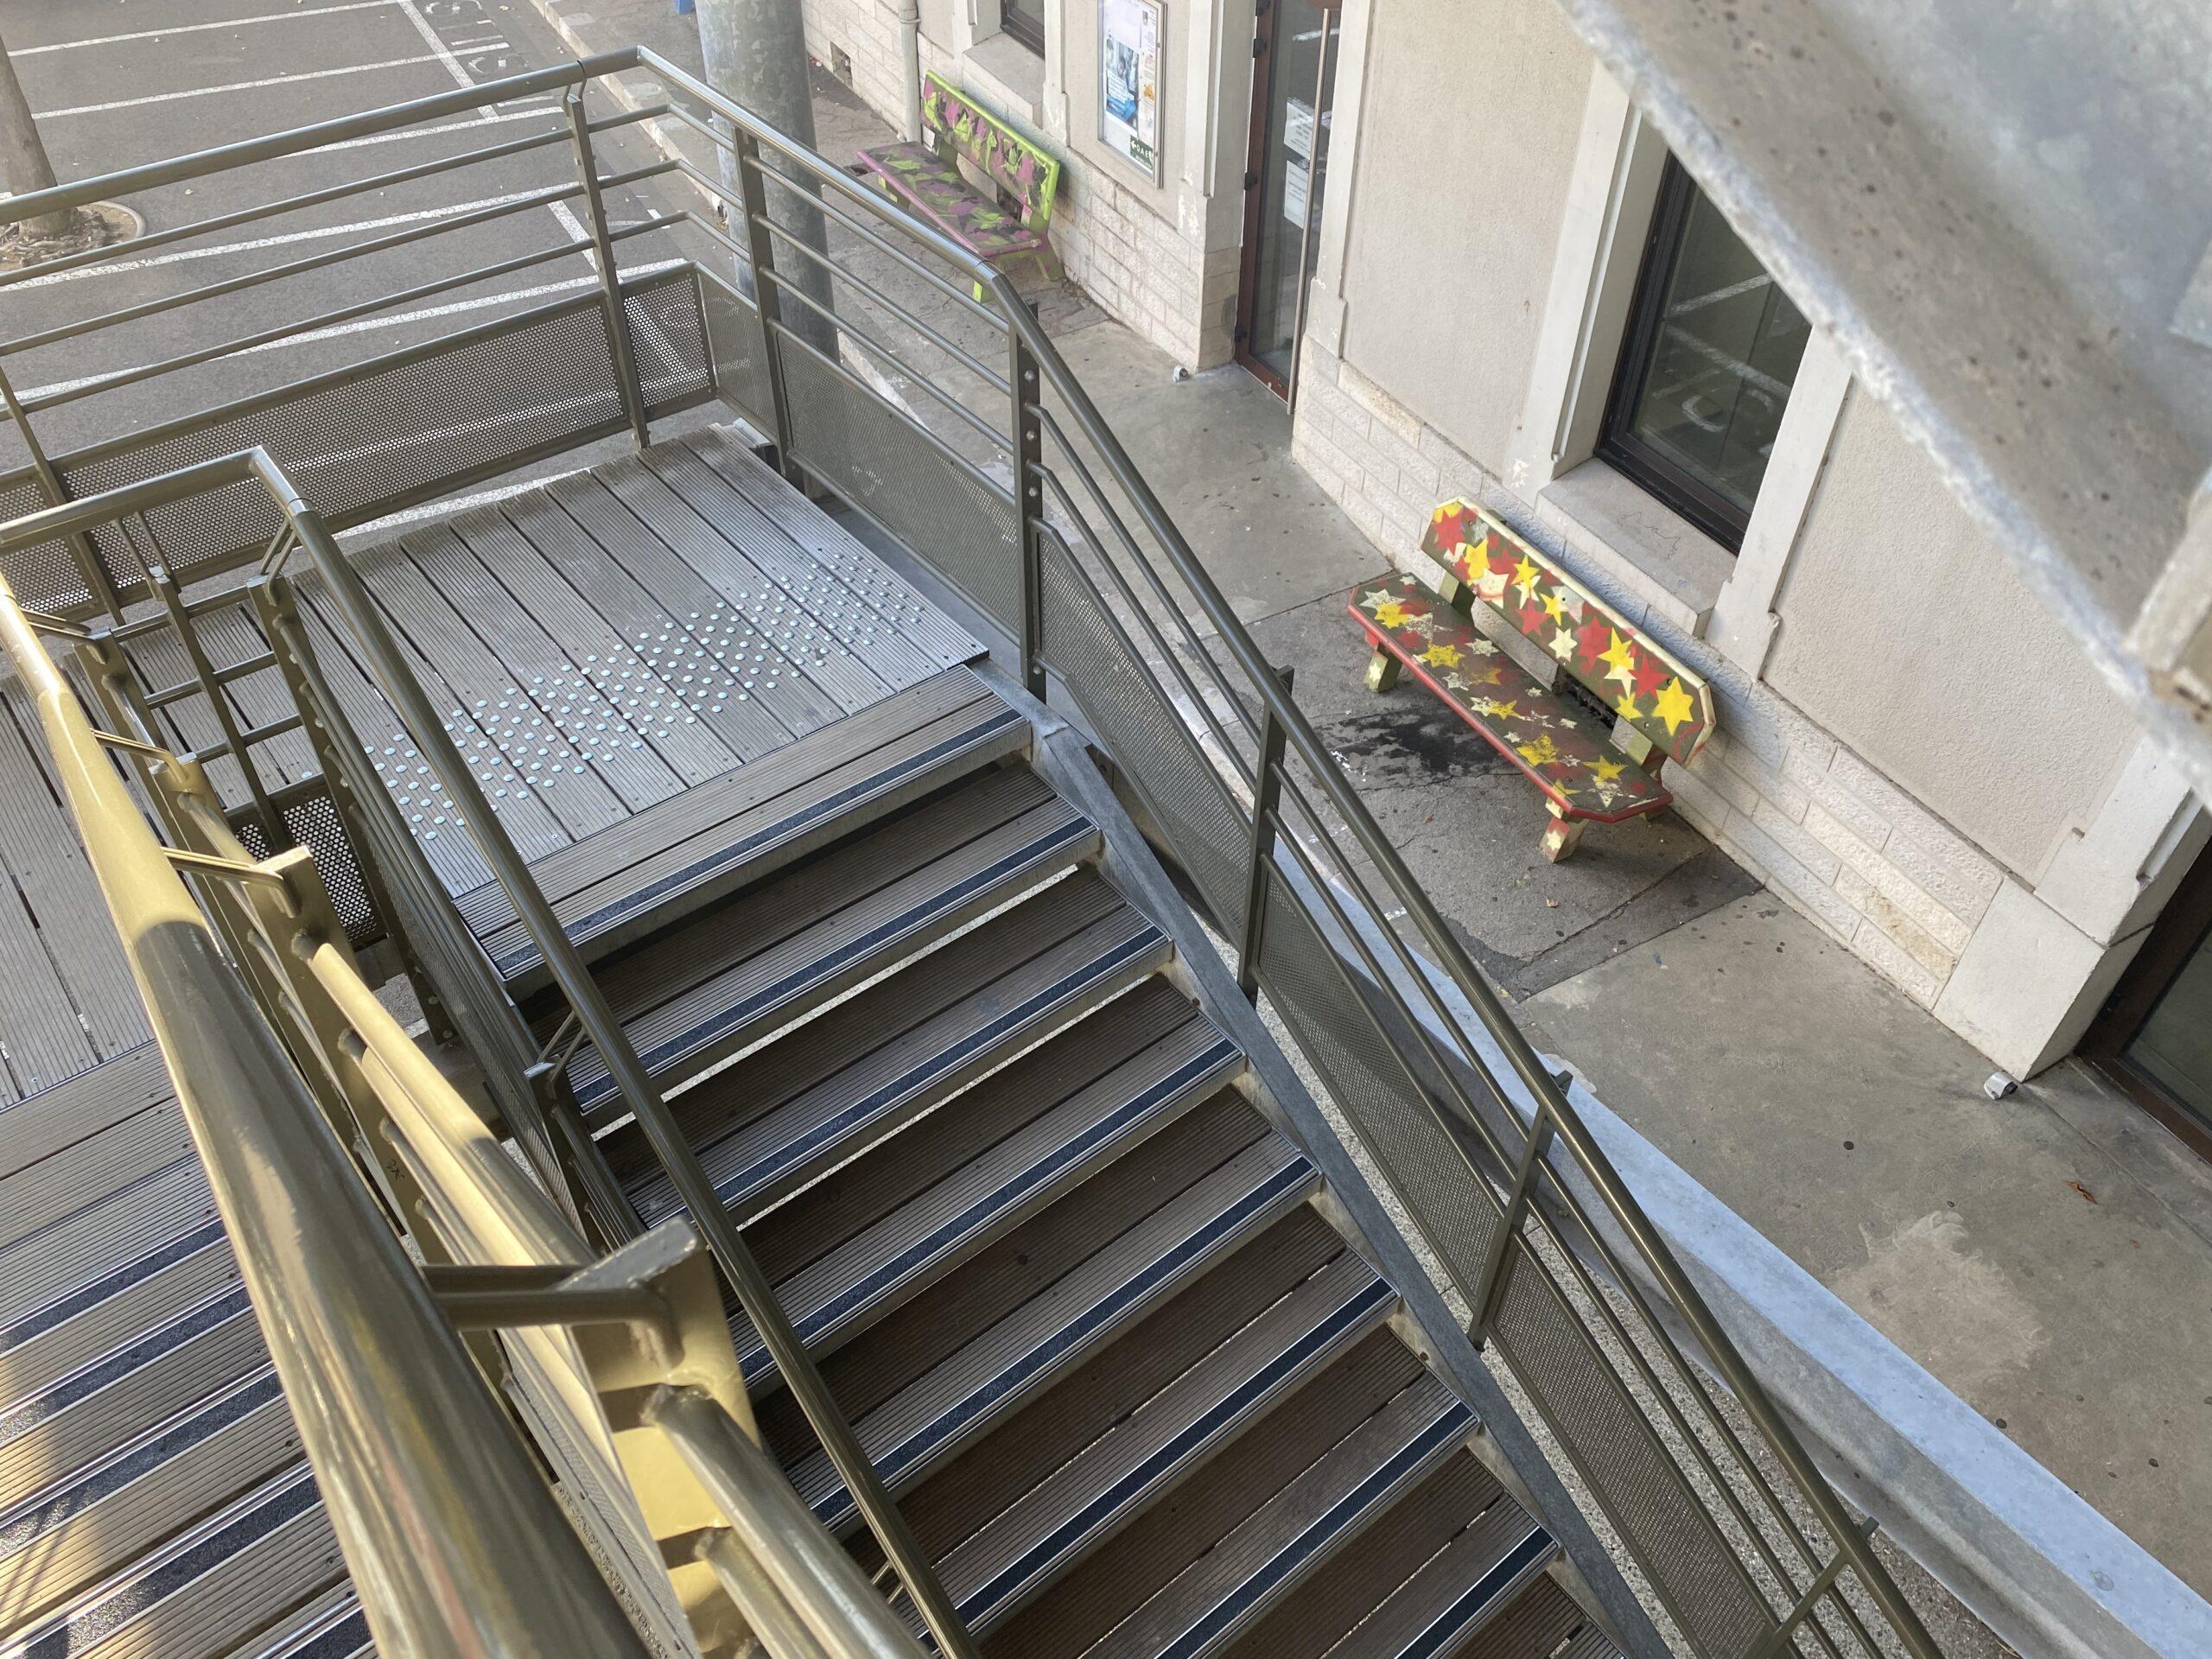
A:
326, 1131
951, 424
963, 435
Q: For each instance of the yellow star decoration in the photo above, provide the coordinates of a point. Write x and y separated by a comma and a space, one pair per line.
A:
1626, 707
1563, 645
1541, 753
1442, 655
1674, 706
1553, 605
1391, 614
1606, 771
1525, 577
1622, 656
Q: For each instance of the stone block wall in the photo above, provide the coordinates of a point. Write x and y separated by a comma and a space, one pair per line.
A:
1869, 865
1138, 267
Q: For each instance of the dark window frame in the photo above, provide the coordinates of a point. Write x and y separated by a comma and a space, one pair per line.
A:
1617, 444
1029, 31
2180, 932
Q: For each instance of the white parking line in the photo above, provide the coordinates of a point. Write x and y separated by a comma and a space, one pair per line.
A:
393, 136
367, 325
439, 50
260, 242
231, 87
193, 28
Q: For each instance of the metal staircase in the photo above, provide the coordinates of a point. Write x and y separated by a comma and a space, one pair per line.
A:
889, 1164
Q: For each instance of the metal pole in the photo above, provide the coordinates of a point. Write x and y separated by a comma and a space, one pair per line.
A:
610, 280
1490, 1287
22, 154
755, 56
1267, 796
1029, 510
753, 194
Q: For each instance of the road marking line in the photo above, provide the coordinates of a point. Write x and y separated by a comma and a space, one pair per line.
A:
398, 133
193, 28
457, 505
444, 53
260, 242
231, 86
365, 324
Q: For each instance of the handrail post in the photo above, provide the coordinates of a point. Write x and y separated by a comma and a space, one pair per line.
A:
1029, 507
89, 564
1489, 1287
610, 280
753, 191
1267, 798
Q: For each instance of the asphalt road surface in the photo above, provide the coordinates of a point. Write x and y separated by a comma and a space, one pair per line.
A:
119, 83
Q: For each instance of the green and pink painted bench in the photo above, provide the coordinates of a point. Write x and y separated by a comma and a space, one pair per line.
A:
926, 179
1590, 770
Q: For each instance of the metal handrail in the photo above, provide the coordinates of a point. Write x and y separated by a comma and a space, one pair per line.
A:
1251, 687
303, 1056
385, 1396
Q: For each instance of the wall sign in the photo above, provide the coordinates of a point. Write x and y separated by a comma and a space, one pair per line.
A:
1128, 78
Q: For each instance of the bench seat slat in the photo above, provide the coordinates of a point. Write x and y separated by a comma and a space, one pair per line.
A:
1558, 745
932, 186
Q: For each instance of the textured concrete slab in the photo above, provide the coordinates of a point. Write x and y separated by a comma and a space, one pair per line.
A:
2063, 1289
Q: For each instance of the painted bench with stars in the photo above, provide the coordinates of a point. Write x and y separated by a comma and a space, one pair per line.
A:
1590, 771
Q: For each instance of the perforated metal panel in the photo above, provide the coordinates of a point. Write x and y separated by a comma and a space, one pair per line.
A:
314, 821
46, 575
1209, 836
872, 455
401, 428
669, 336
1368, 1077
1585, 1405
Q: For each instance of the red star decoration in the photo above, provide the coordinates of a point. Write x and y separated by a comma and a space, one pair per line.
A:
1648, 674
1591, 641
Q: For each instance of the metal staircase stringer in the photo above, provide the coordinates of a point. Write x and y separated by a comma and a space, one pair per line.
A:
1061, 755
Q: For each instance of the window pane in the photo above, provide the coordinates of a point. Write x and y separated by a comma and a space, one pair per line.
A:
2174, 1048
1724, 351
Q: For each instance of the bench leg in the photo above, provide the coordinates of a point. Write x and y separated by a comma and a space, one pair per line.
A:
1561, 836
1382, 670
1457, 594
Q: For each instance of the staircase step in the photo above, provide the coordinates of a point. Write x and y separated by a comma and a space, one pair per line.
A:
1091, 1497
45, 1343
1176, 1216
1447, 1557
775, 953
703, 844
1543, 1619
331, 1626
768, 1124
99, 1407
68, 1536
206, 1591
1471, 1581
75, 1254
1121, 1575
1236, 1582
1078, 1118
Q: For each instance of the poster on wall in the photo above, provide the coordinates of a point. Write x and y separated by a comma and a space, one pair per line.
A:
1129, 74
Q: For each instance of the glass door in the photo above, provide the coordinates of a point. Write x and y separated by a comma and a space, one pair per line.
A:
2154, 1038
1293, 70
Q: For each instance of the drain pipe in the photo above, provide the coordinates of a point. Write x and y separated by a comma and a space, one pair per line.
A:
910, 62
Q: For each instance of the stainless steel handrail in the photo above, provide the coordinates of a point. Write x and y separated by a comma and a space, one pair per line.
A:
387, 1400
